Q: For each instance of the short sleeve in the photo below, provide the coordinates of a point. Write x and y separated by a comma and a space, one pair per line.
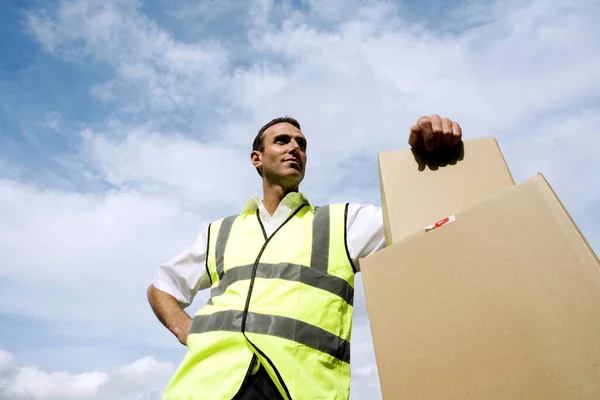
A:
364, 227
184, 275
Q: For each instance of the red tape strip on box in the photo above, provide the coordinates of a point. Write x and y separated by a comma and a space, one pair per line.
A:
441, 222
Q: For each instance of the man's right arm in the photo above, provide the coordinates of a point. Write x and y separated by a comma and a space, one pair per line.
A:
175, 286
169, 313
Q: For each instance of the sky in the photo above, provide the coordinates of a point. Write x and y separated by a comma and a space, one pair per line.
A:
125, 126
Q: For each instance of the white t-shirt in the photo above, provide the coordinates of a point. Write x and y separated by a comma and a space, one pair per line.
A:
185, 275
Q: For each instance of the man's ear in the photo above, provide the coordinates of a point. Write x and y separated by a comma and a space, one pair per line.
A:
256, 158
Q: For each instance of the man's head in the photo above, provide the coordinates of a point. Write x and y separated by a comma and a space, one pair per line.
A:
279, 153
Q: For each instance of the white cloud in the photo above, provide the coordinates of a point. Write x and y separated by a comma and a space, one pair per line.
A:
153, 71
174, 166
32, 383
144, 378
7, 365
145, 371
564, 147
78, 258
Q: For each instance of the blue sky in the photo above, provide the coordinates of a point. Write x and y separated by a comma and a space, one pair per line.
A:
126, 125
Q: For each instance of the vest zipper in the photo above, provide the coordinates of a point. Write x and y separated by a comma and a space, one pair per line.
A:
256, 262
247, 305
245, 381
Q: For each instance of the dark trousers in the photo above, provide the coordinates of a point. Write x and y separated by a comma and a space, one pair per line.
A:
259, 387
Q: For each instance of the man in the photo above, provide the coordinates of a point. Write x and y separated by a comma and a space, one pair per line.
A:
281, 273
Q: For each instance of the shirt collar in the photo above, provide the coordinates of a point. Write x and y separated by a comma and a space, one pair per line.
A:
292, 200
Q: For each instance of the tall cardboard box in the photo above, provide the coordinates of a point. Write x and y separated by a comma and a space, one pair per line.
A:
502, 303
419, 187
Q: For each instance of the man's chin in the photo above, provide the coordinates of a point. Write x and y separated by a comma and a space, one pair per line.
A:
293, 170
293, 178
287, 177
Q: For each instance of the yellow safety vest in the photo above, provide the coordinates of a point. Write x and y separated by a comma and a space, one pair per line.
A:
284, 301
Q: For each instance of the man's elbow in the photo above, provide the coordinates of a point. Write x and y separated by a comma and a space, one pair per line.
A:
161, 298
151, 293
156, 295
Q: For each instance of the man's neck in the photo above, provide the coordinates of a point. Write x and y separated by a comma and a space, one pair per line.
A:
272, 196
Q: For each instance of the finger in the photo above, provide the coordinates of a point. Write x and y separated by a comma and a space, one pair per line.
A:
436, 133
446, 132
456, 134
415, 139
426, 130
423, 119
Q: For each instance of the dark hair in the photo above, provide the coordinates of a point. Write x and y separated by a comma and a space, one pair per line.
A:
258, 144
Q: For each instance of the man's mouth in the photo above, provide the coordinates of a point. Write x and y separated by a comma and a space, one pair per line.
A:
292, 160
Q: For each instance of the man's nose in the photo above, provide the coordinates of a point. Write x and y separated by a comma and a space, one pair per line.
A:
295, 146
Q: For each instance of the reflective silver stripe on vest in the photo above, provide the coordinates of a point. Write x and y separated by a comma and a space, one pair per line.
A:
222, 238
283, 327
319, 259
289, 272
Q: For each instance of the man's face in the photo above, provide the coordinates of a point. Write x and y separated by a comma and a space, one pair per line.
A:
283, 159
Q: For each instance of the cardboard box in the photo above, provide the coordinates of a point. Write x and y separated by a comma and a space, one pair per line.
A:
502, 303
419, 187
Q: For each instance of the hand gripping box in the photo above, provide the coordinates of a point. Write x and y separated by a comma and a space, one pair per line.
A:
501, 301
